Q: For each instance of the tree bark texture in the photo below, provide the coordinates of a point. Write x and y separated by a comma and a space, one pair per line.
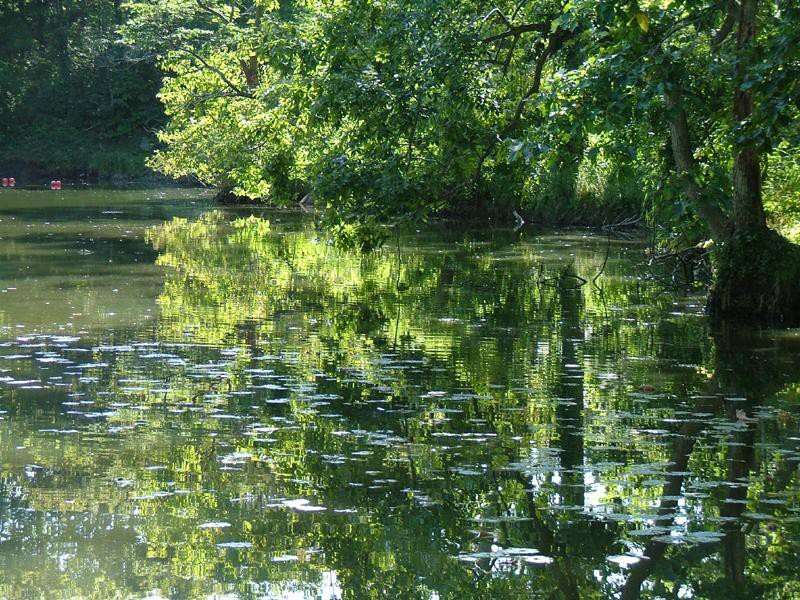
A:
684, 161
748, 208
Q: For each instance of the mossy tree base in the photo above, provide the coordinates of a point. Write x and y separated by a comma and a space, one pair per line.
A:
757, 279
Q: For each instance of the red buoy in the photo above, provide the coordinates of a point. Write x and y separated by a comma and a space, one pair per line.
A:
58, 184
5, 181
12, 182
52, 184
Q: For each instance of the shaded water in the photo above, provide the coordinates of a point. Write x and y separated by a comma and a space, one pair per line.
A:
196, 403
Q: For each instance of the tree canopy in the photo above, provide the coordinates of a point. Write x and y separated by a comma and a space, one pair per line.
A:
392, 110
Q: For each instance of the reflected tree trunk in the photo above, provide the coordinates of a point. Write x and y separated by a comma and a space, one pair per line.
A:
569, 391
745, 369
741, 453
562, 568
682, 448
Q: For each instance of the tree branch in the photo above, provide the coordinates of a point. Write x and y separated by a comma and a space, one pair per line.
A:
727, 25
214, 12
500, 15
239, 91
518, 30
716, 220
554, 42
203, 98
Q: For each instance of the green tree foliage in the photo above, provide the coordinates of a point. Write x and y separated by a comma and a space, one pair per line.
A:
72, 97
380, 110
390, 111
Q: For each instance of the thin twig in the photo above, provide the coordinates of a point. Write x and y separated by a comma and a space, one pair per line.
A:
603, 266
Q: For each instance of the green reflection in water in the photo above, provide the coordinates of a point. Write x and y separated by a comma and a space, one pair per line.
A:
454, 416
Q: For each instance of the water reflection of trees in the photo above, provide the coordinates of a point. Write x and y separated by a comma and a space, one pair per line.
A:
561, 315
510, 417
744, 380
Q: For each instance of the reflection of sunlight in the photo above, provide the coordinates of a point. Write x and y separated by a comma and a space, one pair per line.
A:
330, 586
595, 491
329, 589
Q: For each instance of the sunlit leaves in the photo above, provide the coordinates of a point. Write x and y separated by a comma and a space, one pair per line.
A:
643, 21
384, 113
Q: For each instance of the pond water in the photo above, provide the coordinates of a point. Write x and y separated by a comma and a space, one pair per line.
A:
205, 403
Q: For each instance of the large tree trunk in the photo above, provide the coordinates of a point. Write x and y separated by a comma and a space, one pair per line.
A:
685, 163
757, 270
748, 209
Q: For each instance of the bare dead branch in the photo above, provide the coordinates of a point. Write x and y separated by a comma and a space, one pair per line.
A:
605, 262
499, 13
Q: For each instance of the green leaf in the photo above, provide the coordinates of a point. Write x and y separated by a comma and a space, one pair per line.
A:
643, 20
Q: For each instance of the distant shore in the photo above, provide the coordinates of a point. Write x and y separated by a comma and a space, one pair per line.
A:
34, 175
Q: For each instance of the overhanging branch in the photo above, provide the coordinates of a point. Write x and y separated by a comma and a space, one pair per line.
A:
518, 30
239, 91
214, 12
554, 43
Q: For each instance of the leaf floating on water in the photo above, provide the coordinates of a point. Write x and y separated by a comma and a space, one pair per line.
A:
704, 537
502, 519
475, 556
236, 458
625, 560
520, 551
498, 552
214, 525
285, 558
741, 415
693, 537
235, 545
468, 471
757, 516
649, 532
669, 539
539, 559
303, 505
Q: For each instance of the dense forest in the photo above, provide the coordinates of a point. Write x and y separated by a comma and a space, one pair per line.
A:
680, 113
75, 101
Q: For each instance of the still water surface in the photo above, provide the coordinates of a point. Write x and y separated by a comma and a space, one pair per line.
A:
203, 403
